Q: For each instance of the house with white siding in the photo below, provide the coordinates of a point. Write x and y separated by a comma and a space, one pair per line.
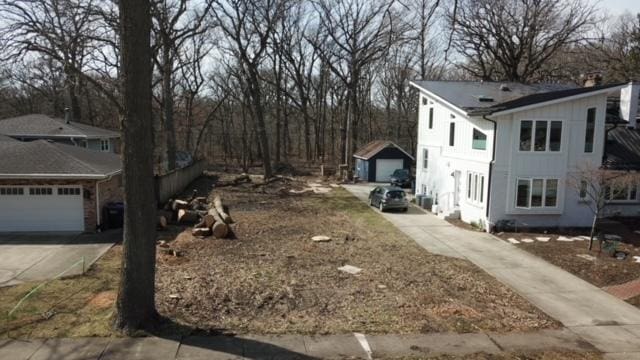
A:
503, 152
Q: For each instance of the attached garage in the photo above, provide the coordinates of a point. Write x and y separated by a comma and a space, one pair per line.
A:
376, 161
41, 208
48, 186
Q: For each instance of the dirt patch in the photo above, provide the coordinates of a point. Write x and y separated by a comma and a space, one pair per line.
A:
596, 267
274, 279
541, 355
103, 300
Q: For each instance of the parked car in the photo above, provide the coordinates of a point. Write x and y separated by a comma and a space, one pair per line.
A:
401, 178
388, 197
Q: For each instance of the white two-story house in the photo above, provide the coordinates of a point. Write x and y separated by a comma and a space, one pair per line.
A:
502, 152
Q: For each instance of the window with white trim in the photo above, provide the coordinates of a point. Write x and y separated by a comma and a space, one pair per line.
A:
621, 193
104, 145
9, 191
40, 191
536, 193
431, 117
479, 140
589, 134
425, 101
425, 158
475, 187
452, 133
540, 135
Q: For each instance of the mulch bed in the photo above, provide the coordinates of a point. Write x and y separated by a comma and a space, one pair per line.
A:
273, 279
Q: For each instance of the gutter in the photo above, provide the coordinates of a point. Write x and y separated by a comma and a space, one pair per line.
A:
493, 159
60, 176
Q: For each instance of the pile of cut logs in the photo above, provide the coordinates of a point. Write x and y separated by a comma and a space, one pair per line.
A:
207, 218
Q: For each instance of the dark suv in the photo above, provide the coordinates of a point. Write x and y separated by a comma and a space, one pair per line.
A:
388, 197
401, 178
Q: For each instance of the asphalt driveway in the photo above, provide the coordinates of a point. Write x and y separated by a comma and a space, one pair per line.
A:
42, 256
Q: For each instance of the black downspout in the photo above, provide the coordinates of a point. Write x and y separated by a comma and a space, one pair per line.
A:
493, 159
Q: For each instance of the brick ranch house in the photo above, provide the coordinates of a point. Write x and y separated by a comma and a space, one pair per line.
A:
49, 186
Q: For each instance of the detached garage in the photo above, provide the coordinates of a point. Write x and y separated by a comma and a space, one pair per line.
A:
48, 186
376, 161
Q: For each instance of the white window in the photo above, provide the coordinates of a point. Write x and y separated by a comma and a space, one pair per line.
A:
431, 117
425, 158
425, 101
540, 135
621, 193
104, 145
479, 140
475, 187
537, 193
8, 191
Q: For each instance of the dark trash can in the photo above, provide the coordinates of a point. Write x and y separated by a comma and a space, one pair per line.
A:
113, 215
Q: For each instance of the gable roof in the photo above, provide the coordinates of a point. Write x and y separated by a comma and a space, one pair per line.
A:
622, 149
44, 126
467, 95
371, 149
44, 159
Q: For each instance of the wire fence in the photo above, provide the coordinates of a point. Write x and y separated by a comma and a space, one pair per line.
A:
41, 285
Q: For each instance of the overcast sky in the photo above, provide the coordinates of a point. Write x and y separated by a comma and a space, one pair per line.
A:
615, 7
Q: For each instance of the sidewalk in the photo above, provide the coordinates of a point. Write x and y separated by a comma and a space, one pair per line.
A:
289, 346
610, 324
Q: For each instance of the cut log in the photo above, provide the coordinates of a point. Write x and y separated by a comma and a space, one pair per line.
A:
201, 231
217, 204
179, 204
244, 178
188, 216
220, 230
207, 221
162, 222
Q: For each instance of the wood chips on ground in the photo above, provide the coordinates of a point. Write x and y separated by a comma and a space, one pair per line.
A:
274, 279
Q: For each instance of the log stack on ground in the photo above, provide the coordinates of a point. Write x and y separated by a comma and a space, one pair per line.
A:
207, 218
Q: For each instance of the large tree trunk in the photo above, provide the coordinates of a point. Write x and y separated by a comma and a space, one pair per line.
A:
261, 128
136, 295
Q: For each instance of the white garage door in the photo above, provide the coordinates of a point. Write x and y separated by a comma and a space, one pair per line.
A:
386, 167
41, 208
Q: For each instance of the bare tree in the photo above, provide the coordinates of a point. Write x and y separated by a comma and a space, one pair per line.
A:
175, 22
136, 296
597, 187
355, 34
512, 40
248, 26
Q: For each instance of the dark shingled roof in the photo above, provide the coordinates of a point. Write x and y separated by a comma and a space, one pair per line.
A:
623, 149
44, 159
44, 126
374, 147
467, 95
6, 138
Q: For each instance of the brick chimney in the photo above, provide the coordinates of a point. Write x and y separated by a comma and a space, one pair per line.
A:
629, 103
592, 79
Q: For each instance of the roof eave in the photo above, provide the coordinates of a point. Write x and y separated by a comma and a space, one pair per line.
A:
439, 98
60, 176
499, 112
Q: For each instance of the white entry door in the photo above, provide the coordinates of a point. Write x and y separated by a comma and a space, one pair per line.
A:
386, 167
41, 208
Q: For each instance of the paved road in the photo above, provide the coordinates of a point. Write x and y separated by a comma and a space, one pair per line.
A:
351, 346
610, 324
40, 256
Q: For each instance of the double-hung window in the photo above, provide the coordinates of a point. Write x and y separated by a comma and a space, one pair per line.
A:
540, 135
475, 187
479, 140
536, 193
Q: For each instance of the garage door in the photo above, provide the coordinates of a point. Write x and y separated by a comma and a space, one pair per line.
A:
41, 208
386, 167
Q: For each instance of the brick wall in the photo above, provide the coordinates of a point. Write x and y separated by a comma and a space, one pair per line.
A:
109, 191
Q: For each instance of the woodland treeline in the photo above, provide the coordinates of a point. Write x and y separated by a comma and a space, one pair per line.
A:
266, 82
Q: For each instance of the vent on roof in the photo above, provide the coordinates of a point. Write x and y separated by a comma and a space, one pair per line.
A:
504, 87
484, 98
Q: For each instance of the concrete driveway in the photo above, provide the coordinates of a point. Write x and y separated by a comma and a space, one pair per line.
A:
42, 256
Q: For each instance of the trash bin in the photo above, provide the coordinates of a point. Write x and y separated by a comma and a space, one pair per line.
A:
113, 215
427, 202
418, 199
